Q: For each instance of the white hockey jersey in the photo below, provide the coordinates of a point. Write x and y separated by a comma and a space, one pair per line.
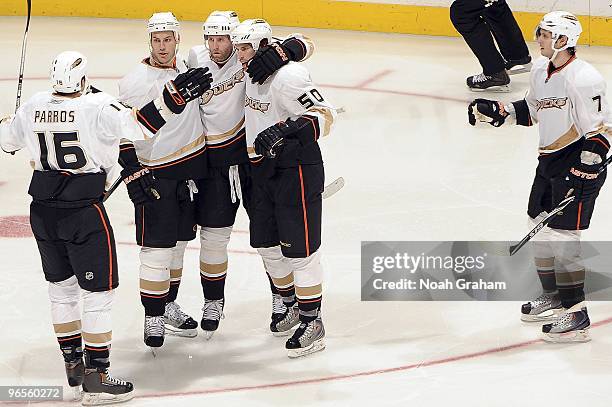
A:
176, 151
73, 134
568, 103
222, 107
289, 93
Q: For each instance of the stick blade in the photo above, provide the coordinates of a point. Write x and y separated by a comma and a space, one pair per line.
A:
332, 188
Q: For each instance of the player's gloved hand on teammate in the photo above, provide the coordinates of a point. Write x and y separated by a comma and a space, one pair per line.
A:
186, 87
270, 142
268, 60
487, 111
140, 184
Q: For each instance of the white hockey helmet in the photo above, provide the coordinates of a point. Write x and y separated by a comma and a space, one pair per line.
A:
165, 21
561, 23
220, 23
67, 72
252, 31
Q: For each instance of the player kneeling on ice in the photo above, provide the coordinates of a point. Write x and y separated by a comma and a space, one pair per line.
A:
285, 116
73, 138
567, 98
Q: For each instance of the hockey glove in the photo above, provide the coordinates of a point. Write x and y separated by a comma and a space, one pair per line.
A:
268, 60
270, 142
486, 111
583, 179
185, 88
140, 184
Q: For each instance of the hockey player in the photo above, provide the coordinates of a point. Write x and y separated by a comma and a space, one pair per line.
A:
567, 98
73, 138
222, 110
482, 23
285, 117
175, 155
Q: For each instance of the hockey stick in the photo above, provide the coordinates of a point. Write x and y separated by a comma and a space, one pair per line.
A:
515, 248
23, 50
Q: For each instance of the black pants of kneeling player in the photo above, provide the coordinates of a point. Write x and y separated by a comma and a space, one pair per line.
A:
161, 223
214, 206
76, 241
479, 25
286, 207
550, 187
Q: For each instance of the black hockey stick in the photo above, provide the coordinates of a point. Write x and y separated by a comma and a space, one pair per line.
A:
23, 50
515, 248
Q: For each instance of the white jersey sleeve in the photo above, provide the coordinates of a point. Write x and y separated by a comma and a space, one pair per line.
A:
589, 103
299, 97
11, 133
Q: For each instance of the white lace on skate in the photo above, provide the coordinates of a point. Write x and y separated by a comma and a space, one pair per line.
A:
213, 310
174, 317
278, 306
113, 380
546, 307
481, 77
291, 319
154, 326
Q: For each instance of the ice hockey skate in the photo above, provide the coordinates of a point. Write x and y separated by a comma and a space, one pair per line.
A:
282, 325
498, 82
212, 313
546, 307
571, 326
154, 331
100, 388
308, 338
517, 66
278, 307
178, 323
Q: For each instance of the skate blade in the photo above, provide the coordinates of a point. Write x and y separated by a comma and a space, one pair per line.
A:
495, 89
517, 69
316, 346
208, 334
77, 393
183, 333
101, 399
581, 335
544, 317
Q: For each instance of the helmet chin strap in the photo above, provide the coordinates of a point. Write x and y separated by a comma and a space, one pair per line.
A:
556, 50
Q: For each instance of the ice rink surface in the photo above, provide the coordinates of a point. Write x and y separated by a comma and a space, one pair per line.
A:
414, 170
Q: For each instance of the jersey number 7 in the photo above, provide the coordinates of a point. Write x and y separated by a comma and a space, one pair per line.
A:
598, 100
68, 155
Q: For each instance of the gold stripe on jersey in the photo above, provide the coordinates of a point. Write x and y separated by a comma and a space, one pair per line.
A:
179, 153
327, 116
220, 138
601, 129
568, 138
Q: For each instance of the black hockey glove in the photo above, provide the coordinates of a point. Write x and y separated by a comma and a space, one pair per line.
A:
270, 142
185, 88
584, 178
140, 184
487, 111
268, 60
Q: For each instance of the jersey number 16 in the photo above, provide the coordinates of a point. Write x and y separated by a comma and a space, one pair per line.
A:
68, 155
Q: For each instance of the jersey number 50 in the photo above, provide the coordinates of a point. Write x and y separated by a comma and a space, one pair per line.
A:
306, 100
68, 155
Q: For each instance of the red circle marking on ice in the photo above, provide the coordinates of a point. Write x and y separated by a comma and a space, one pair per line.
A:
15, 226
